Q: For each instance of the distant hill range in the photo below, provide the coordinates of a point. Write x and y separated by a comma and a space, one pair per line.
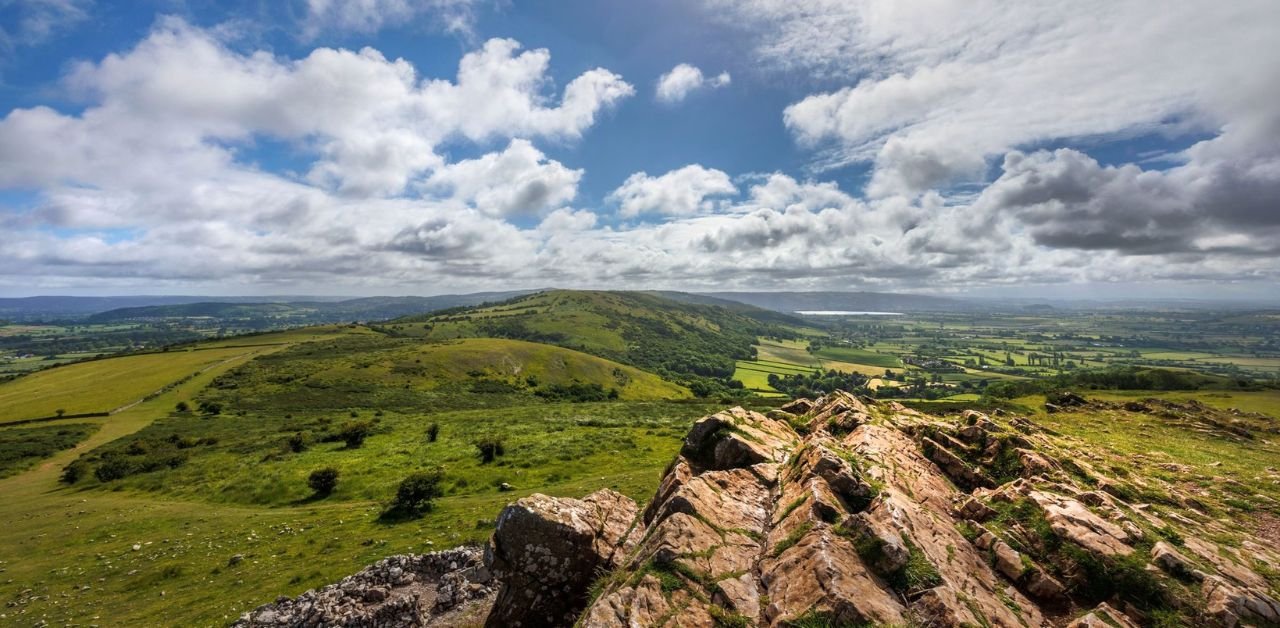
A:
315, 309
846, 301
320, 309
302, 308
365, 309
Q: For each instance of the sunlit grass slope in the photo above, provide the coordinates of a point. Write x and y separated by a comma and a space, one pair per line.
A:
380, 372
106, 384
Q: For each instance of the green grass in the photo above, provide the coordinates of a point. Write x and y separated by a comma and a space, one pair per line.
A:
754, 374
101, 385
678, 340
786, 352
245, 494
107, 384
546, 445
1262, 401
189, 529
21, 447
380, 372
1210, 453
860, 356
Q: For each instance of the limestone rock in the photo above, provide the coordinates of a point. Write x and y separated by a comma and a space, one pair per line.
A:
736, 438
954, 466
1170, 560
1076, 523
546, 551
1104, 616
864, 520
411, 590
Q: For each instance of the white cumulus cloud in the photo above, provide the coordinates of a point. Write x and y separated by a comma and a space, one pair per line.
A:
938, 88
518, 180
677, 193
684, 79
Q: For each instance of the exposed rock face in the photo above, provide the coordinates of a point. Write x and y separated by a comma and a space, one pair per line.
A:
871, 515
411, 590
546, 551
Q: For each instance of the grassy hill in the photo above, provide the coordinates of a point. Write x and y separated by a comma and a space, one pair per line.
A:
377, 371
692, 343
301, 312
107, 384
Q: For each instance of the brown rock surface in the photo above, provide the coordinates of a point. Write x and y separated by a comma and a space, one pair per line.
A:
880, 515
546, 551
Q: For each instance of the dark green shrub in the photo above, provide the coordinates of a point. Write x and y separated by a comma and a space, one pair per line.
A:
577, 392
323, 481
493, 387
490, 447
433, 432
182, 407
113, 469
416, 494
354, 433
299, 442
73, 472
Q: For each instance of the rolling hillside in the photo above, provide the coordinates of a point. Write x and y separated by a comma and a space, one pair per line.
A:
108, 384
686, 342
383, 372
847, 301
370, 308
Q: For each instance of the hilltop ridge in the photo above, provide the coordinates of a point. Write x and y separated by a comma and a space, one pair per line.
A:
694, 344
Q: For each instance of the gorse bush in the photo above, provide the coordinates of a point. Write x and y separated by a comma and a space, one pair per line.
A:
415, 495
577, 392
490, 447
299, 442
20, 447
354, 433
433, 432
323, 481
113, 469
73, 472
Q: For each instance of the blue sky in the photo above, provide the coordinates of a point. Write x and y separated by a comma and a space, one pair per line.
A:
318, 146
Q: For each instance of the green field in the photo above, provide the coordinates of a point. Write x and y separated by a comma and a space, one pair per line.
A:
1132, 443
109, 384
101, 385
188, 522
860, 356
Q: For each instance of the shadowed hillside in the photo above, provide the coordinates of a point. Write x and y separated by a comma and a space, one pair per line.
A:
691, 343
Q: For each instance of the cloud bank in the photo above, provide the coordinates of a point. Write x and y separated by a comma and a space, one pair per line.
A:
974, 122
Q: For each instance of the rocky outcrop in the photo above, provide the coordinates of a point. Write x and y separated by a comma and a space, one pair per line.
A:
870, 514
411, 590
546, 551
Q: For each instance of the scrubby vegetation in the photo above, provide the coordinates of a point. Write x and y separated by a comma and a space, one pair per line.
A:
20, 447
817, 383
1117, 378
692, 344
416, 495
323, 481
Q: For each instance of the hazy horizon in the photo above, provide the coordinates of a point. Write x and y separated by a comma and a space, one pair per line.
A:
1264, 300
